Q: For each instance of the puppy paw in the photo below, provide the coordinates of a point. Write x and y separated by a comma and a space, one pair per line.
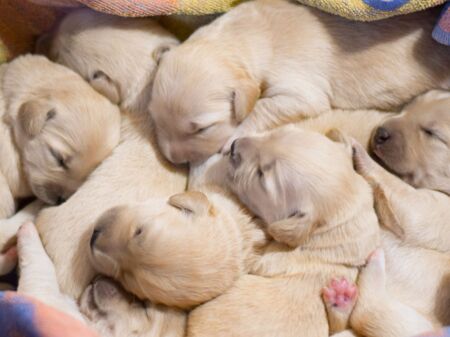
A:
362, 162
28, 242
340, 295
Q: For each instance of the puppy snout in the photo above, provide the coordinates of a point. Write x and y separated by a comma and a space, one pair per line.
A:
95, 234
382, 135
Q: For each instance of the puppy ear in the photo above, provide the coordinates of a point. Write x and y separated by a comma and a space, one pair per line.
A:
386, 215
193, 202
159, 52
293, 231
32, 116
337, 136
103, 84
245, 97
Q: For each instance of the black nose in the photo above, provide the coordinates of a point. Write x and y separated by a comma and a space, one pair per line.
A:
94, 237
381, 136
60, 200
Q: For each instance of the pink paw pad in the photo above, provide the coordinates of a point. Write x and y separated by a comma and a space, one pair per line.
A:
340, 294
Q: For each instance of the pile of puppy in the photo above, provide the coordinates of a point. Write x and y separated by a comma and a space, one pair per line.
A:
284, 225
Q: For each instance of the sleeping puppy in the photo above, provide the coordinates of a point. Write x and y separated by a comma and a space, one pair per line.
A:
418, 262
377, 312
134, 254
180, 251
318, 210
54, 130
117, 56
414, 145
270, 62
104, 306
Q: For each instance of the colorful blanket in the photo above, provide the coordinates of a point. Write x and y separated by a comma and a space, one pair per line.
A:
22, 316
22, 21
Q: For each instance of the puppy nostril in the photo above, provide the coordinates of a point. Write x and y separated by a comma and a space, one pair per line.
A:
60, 200
94, 237
381, 136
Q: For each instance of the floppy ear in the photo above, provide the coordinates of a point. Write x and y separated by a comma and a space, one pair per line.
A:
32, 116
244, 98
103, 84
193, 202
159, 52
386, 215
293, 231
337, 136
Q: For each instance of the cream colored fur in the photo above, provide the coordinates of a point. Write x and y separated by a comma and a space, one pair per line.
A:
117, 56
269, 62
53, 139
123, 50
134, 172
414, 145
336, 244
104, 306
416, 264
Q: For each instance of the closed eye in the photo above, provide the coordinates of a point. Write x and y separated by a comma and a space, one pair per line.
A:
433, 134
203, 129
59, 159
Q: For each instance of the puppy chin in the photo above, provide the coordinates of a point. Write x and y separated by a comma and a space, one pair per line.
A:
103, 263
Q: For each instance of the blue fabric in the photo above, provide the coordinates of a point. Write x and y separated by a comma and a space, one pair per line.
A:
385, 5
16, 317
441, 32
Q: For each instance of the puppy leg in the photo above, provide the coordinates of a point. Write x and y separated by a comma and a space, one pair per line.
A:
7, 204
339, 298
9, 227
37, 273
419, 216
377, 313
270, 112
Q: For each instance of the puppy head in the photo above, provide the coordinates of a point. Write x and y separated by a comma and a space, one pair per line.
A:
415, 144
63, 129
117, 56
178, 252
114, 312
291, 175
198, 100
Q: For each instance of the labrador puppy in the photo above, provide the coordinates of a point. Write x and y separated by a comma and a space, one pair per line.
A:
318, 210
374, 310
54, 130
104, 306
270, 62
416, 263
414, 145
181, 251
117, 56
